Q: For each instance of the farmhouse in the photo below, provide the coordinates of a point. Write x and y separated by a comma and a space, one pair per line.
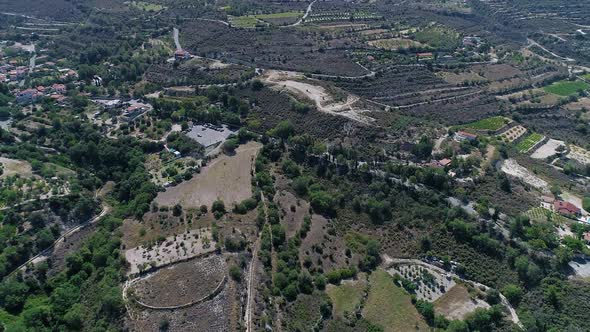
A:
463, 135
134, 111
180, 55
58, 88
425, 56
566, 208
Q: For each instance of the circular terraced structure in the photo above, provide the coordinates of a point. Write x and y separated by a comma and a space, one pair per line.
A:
181, 285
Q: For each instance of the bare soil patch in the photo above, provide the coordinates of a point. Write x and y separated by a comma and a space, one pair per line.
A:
215, 315
511, 167
457, 304
13, 167
548, 149
227, 178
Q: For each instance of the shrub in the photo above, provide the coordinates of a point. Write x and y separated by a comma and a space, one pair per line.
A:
218, 206
235, 273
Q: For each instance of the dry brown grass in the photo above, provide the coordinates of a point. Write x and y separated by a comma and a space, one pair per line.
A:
457, 304
227, 178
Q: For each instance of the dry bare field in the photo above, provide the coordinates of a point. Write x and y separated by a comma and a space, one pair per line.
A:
457, 304
13, 167
227, 178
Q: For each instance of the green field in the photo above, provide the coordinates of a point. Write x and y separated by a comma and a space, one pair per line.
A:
567, 88
493, 123
390, 307
528, 142
243, 21
586, 76
346, 296
146, 6
251, 21
439, 38
291, 14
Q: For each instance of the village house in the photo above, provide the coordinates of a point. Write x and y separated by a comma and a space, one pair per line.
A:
463, 135
566, 208
440, 163
180, 55
425, 56
58, 88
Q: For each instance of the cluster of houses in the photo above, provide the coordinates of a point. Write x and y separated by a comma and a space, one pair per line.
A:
55, 91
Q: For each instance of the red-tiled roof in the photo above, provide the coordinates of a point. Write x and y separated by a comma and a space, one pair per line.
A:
565, 207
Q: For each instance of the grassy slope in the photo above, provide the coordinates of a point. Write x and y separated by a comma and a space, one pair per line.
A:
346, 296
390, 307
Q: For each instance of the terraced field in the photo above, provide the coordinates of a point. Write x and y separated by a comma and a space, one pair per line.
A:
528, 142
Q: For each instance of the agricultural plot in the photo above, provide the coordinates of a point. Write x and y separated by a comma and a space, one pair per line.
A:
226, 177
567, 88
172, 249
539, 214
430, 283
331, 16
390, 307
461, 78
492, 124
214, 315
244, 22
394, 44
457, 303
438, 37
252, 21
513, 134
146, 6
182, 283
526, 144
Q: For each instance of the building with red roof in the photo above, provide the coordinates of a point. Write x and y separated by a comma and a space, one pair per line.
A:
463, 135
566, 208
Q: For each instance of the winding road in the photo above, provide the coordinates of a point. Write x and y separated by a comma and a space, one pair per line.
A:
307, 12
105, 210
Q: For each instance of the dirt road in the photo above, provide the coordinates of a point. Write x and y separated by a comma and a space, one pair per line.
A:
298, 84
307, 12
